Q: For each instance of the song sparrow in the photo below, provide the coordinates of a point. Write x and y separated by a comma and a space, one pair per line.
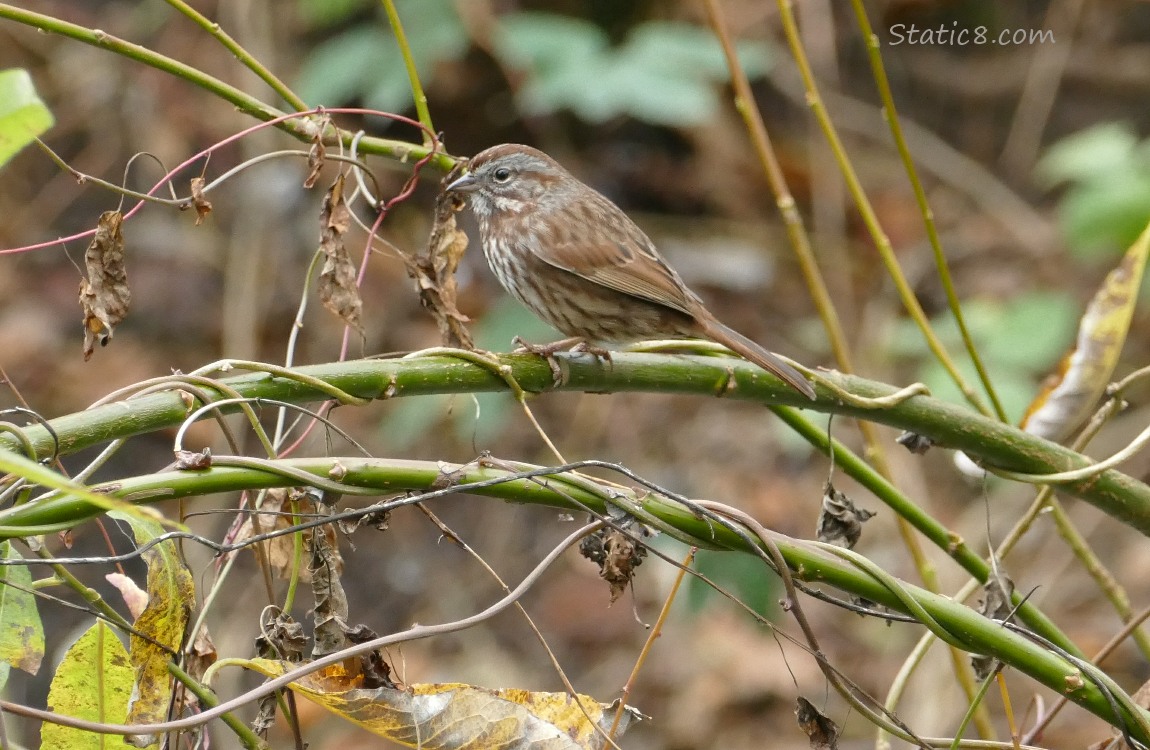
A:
577, 261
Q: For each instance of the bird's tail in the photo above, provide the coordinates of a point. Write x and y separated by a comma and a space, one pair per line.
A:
751, 351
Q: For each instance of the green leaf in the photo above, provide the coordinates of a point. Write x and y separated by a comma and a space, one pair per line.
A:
365, 62
688, 50
1108, 201
1020, 341
664, 73
21, 631
1014, 387
1107, 215
543, 43
1032, 331
657, 96
171, 595
341, 68
1089, 154
330, 12
93, 682
739, 573
23, 117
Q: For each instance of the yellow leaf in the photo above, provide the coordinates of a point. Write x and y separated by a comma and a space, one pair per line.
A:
93, 682
21, 631
455, 716
1072, 393
171, 593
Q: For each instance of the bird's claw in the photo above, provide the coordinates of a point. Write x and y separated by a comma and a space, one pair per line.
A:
548, 352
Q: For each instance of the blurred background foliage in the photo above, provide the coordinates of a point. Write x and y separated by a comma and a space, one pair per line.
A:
1035, 196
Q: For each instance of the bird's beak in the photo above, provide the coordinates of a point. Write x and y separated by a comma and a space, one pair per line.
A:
465, 184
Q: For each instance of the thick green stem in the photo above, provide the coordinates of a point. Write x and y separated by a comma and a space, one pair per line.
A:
809, 561
946, 424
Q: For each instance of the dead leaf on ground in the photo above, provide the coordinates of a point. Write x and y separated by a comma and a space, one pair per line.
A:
104, 295
337, 280
455, 715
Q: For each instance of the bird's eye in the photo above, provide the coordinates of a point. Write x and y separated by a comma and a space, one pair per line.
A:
503, 174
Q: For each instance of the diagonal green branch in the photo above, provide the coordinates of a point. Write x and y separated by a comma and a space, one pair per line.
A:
808, 561
243, 101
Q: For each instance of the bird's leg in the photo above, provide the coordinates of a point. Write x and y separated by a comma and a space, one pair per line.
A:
548, 352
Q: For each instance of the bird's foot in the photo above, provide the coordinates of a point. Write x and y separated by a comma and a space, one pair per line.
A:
548, 352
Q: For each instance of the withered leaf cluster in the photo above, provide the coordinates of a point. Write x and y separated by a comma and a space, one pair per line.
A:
434, 270
840, 522
617, 555
337, 279
104, 294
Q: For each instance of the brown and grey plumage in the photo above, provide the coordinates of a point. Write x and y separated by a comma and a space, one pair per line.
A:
577, 260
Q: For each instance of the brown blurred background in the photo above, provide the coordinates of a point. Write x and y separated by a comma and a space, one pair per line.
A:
632, 97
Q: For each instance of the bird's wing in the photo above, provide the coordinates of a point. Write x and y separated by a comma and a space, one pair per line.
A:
603, 245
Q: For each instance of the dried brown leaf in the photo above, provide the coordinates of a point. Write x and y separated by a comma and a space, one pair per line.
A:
202, 654
104, 294
194, 460
274, 514
281, 637
997, 604
337, 280
434, 270
332, 632
617, 556
821, 731
316, 158
202, 205
454, 716
840, 522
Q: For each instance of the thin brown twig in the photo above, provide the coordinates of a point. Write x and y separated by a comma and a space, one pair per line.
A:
649, 644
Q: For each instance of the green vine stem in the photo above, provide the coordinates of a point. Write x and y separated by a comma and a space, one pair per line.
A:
878, 72
246, 736
809, 561
244, 102
816, 285
417, 94
866, 210
947, 425
946, 540
245, 57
